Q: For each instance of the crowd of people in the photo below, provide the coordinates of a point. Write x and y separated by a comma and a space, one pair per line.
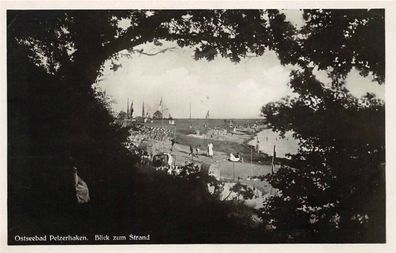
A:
141, 133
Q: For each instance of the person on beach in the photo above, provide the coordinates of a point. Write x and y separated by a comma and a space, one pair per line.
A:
198, 148
257, 144
210, 149
172, 144
191, 151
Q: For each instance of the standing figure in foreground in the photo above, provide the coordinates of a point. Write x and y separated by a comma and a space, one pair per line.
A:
210, 149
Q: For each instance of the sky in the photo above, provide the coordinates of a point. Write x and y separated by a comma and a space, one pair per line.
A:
226, 89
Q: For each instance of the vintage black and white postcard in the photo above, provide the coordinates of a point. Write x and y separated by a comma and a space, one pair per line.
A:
247, 125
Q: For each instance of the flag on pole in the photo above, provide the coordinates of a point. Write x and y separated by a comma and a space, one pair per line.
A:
207, 115
160, 105
127, 108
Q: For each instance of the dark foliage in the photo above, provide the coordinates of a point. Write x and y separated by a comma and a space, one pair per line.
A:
339, 40
55, 124
334, 186
183, 210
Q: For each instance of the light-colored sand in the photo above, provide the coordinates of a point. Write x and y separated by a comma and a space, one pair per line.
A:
224, 135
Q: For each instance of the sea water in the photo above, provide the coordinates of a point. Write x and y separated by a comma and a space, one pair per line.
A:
283, 145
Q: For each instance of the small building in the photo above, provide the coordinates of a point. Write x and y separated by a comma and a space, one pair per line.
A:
157, 115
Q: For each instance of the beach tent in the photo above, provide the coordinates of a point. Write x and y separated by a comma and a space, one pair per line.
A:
234, 158
163, 160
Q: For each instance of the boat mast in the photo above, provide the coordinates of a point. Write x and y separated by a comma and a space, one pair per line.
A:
190, 116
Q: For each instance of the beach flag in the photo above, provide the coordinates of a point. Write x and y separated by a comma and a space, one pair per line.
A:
273, 161
207, 115
160, 105
128, 107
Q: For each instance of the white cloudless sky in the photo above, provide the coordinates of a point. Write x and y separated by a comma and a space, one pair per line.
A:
226, 89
